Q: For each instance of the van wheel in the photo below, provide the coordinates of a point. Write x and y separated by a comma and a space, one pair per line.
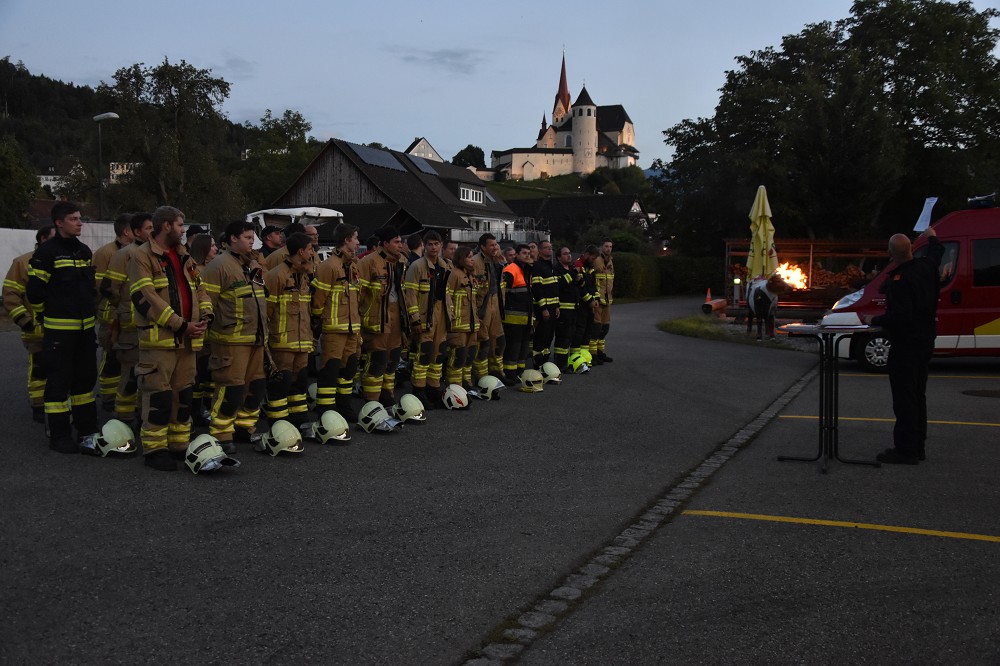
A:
872, 353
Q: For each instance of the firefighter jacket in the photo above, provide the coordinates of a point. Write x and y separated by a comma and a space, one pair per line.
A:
380, 279
278, 256
335, 295
289, 308
115, 286
604, 275
235, 286
15, 299
101, 261
588, 284
543, 286
569, 284
517, 294
61, 285
425, 284
460, 302
486, 274
158, 293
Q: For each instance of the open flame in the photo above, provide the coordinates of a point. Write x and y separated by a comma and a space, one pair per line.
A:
792, 274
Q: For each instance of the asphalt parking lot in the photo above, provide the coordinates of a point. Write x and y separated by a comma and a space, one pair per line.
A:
475, 537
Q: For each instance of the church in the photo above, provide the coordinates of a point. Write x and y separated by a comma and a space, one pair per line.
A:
581, 138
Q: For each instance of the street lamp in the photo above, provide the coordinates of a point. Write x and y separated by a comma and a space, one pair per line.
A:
100, 162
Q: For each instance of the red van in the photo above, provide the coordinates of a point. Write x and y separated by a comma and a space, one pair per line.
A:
968, 316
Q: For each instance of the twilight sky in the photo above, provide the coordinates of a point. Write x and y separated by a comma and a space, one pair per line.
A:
391, 70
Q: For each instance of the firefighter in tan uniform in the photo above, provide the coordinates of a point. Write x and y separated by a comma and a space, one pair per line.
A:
15, 301
172, 314
463, 332
335, 313
383, 316
235, 285
289, 334
424, 292
124, 337
604, 274
487, 265
109, 370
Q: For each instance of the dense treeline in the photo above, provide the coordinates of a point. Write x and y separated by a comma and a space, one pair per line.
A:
850, 125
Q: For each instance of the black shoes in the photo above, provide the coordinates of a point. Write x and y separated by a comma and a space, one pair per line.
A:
64, 446
229, 447
604, 358
894, 457
161, 460
38, 414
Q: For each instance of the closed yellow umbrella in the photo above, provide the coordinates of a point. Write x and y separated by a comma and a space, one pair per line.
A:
763, 258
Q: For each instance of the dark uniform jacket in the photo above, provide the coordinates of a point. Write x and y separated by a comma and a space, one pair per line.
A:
62, 288
569, 282
911, 296
543, 286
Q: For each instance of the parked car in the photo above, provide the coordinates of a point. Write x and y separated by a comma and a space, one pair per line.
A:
968, 316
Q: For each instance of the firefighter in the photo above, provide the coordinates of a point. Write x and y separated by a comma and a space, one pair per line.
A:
424, 292
585, 336
604, 276
463, 320
383, 315
61, 291
487, 264
202, 249
235, 285
290, 338
172, 313
569, 283
517, 314
546, 302
335, 314
110, 368
124, 336
15, 301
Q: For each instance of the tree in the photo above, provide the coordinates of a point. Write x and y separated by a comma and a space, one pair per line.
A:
470, 156
278, 150
18, 184
172, 125
849, 125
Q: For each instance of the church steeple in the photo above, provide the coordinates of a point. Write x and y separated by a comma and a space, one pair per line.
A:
562, 104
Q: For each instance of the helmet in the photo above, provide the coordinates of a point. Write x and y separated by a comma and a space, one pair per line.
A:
588, 358
577, 364
282, 436
409, 408
311, 395
490, 387
374, 418
550, 372
205, 454
331, 428
531, 381
115, 437
455, 397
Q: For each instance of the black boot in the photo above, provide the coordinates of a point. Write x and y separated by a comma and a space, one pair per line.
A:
346, 409
386, 399
161, 460
38, 414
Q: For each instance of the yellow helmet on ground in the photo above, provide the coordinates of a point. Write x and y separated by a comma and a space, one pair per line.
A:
532, 381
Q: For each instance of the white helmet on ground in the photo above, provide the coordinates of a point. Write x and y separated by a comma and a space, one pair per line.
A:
282, 436
489, 387
409, 409
331, 428
205, 454
115, 437
532, 381
551, 373
374, 418
455, 397
311, 395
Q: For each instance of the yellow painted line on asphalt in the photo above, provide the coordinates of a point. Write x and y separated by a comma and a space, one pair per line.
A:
880, 420
840, 523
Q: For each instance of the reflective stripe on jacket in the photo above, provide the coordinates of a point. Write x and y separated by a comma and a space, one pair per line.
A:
61, 286
422, 288
460, 302
289, 308
376, 273
335, 295
604, 275
517, 296
15, 299
235, 287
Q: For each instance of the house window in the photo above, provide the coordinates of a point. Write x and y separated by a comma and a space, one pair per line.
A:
588, 112
469, 194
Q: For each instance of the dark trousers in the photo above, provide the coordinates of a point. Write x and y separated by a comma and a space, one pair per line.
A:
542, 341
515, 352
71, 371
565, 332
908, 381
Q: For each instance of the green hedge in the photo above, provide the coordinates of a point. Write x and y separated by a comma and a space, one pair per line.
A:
643, 276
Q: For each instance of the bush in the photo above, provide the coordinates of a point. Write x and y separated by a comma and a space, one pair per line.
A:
636, 276
691, 275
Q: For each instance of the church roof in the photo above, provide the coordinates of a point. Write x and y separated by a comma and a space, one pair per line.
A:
584, 99
611, 118
562, 95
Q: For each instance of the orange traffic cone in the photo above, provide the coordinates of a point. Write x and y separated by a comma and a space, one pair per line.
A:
708, 295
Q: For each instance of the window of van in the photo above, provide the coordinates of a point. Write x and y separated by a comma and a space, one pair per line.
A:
948, 262
986, 262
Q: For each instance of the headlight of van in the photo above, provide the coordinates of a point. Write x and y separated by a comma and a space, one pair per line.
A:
848, 300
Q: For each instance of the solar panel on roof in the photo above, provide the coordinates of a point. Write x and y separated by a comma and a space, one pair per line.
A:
423, 165
376, 157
